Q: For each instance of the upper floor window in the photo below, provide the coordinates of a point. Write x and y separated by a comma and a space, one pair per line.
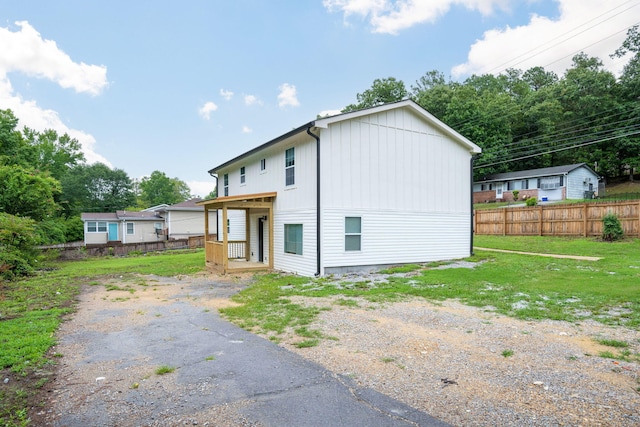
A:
242, 175
226, 184
263, 165
289, 166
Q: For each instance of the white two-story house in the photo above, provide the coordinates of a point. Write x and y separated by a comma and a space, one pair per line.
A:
357, 191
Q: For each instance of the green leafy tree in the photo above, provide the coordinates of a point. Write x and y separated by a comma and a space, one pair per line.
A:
382, 91
25, 192
53, 153
158, 188
96, 188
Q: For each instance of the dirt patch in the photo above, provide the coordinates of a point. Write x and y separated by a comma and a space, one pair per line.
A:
467, 366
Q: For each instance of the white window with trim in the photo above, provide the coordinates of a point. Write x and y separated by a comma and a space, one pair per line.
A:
551, 183
131, 228
263, 165
243, 176
290, 166
96, 226
226, 184
293, 239
353, 233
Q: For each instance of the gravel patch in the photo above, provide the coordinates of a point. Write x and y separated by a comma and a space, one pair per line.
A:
468, 366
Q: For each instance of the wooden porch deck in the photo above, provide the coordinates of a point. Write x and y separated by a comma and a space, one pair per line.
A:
238, 266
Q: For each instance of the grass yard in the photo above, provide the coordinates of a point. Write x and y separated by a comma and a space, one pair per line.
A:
31, 310
522, 286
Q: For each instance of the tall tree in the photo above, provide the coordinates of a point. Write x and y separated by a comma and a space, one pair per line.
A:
27, 193
96, 188
382, 91
52, 152
158, 188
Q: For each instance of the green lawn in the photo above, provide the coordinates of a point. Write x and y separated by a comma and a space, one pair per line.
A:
31, 310
523, 286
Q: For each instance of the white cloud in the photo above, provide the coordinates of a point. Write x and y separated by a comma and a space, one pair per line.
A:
594, 27
246, 129
26, 52
226, 94
327, 113
201, 188
287, 96
251, 100
206, 109
390, 17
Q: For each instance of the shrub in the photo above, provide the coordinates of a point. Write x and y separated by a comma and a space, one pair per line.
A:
611, 228
531, 201
18, 240
515, 193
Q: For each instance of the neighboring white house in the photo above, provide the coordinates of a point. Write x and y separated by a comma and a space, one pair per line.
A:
577, 181
185, 219
357, 191
122, 226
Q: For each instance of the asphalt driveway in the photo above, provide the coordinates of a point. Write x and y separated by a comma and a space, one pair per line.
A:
112, 347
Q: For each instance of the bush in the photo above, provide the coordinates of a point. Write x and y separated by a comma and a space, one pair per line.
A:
18, 240
611, 228
531, 201
515, 193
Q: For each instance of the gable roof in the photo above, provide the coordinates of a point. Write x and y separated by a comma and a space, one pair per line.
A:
187, 205
326, 121
535, 173
120, 216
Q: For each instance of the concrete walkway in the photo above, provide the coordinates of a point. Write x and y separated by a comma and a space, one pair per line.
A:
578, 257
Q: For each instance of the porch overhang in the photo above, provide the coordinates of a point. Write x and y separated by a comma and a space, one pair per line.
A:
217, 252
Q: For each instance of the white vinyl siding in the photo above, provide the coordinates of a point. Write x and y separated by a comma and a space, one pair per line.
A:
578, 181
304, 264
394, 237
236, 224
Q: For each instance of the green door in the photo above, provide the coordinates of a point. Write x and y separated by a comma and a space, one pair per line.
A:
113, 231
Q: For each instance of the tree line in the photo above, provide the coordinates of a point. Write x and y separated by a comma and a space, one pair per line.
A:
45, 185
535, 118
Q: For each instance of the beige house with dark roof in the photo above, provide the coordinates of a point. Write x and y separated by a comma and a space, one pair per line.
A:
122, 226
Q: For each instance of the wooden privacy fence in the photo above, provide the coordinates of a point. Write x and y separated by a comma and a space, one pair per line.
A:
583, 219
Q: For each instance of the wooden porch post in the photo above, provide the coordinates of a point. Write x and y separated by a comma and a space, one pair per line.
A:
271, 220
206, 224
247, 235
225, 240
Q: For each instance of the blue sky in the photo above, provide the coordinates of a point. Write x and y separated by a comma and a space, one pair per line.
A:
181, 87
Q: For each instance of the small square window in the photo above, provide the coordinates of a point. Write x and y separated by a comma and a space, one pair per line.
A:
92, 226
102, 227
293, 239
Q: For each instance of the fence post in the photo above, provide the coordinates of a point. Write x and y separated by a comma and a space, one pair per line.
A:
584, 222
504, 222
540, 221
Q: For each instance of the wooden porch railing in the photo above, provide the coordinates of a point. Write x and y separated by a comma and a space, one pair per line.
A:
236, 249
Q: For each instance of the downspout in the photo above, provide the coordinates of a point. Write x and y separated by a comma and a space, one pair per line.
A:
317, 138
